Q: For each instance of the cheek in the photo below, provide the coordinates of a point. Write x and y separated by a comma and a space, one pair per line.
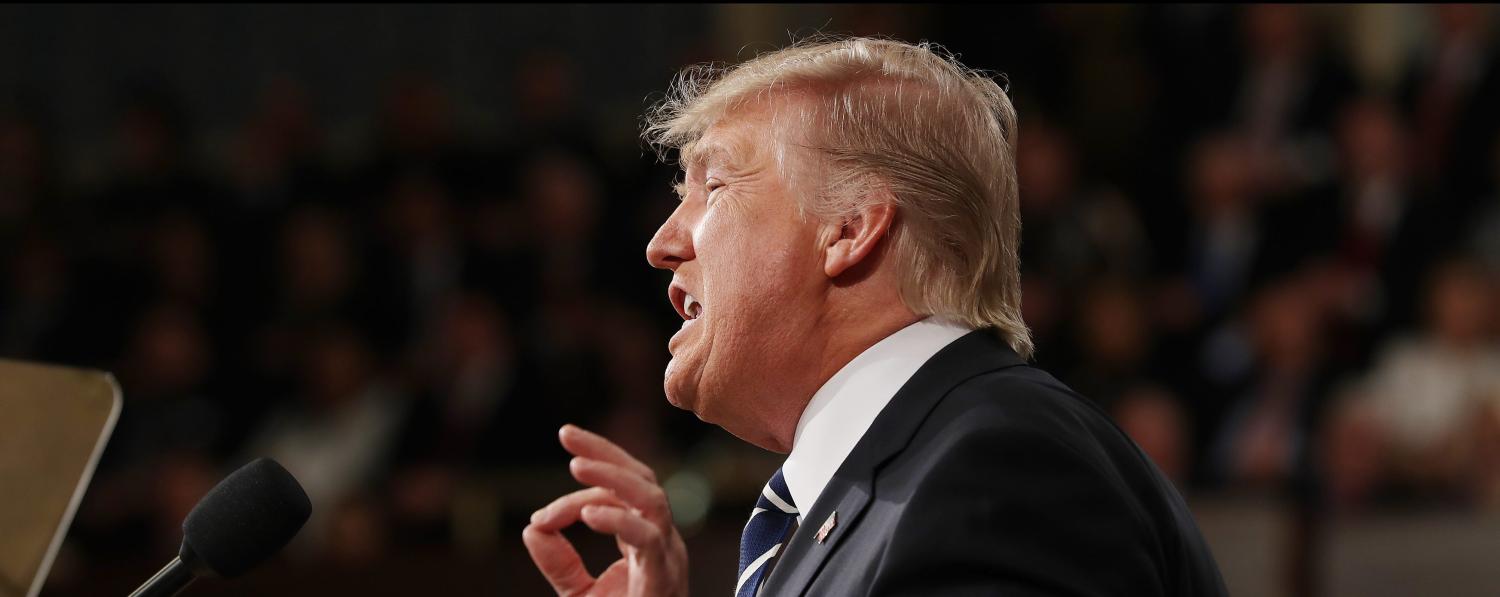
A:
749, 268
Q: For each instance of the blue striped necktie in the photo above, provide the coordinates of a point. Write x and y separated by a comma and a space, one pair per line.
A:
773, 516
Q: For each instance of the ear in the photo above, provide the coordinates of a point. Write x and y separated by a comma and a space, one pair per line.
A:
856, 238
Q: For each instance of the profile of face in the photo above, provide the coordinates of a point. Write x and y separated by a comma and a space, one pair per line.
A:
748, 280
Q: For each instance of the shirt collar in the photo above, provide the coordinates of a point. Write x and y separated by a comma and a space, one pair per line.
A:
844, 408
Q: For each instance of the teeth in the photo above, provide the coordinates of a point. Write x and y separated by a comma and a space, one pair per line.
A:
692, 307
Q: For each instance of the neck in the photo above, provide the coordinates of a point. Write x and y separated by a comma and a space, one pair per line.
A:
842, 333
851, 338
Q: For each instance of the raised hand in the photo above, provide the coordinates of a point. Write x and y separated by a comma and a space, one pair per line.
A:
623, 499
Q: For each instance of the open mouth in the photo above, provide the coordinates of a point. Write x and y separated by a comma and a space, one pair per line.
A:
687, 305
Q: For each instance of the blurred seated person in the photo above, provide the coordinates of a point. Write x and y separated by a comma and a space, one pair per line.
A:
335, 436
1224, 238
1434, 395
1262, 438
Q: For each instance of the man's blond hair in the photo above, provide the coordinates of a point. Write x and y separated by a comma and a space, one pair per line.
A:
897, 122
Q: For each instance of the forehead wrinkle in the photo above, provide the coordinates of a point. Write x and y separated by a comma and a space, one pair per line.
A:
749, 129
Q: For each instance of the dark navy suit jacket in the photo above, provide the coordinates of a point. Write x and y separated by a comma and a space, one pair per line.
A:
985, 476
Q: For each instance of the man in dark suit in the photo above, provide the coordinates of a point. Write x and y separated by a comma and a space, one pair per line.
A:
844, 261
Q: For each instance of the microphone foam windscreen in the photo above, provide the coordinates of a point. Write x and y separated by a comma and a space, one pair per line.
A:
244, 519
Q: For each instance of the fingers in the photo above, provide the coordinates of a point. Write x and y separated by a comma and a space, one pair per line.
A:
564, 511
581, 442
553, 554
624, 524
601, 463
639, 493
624, 500
557, 560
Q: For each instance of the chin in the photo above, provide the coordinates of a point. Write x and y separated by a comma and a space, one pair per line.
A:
677, 391
674, 398
686, 397
677, 400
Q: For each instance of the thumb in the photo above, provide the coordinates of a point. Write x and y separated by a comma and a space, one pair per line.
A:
557, 560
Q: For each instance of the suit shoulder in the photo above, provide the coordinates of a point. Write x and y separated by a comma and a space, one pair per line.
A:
1021, 421
1027, 470
1023, 399
1030, 484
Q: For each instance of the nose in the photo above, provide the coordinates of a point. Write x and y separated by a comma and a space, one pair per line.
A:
673, 243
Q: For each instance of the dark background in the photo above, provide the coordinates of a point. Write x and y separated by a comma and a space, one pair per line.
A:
395, 247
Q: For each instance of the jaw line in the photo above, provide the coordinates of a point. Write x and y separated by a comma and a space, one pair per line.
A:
697, 381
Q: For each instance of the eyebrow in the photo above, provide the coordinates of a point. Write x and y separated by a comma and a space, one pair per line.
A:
698, 154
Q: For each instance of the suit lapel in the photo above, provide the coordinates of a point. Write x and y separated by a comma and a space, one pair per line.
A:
850, 490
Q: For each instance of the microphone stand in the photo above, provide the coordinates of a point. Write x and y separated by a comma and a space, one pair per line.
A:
171, 579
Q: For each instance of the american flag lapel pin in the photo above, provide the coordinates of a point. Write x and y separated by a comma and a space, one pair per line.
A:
823, 531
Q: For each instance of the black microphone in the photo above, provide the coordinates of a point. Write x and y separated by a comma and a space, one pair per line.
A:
244, 519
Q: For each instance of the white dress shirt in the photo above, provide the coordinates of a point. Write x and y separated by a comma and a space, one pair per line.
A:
842, 410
